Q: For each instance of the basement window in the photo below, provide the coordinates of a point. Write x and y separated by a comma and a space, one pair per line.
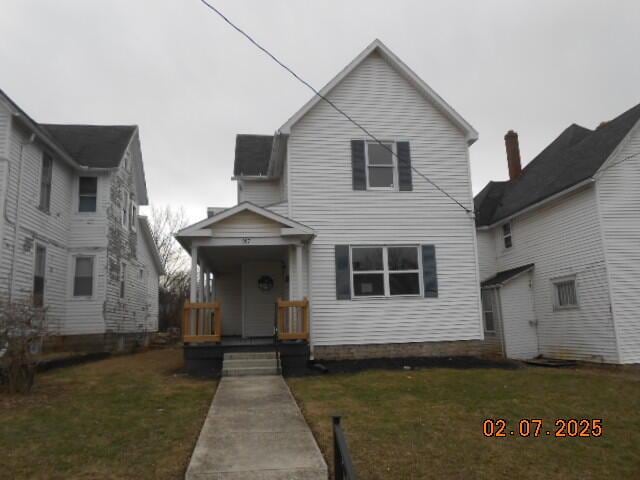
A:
506, 235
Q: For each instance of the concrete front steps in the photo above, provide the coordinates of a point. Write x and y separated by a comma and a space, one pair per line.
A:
240, 364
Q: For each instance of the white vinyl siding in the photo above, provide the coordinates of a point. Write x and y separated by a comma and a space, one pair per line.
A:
563, 239
619, 205
321, 196
259, 192
246, 225
486, 254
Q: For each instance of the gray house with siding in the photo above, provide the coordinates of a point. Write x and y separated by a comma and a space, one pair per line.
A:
72, 240
559, 246
336, 241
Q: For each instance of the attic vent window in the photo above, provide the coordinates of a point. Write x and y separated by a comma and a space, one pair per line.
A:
506, 235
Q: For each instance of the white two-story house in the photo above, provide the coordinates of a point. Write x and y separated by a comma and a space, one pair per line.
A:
380, 262
71, 238
559, 247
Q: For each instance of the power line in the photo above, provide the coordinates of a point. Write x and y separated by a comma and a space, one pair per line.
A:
335, 107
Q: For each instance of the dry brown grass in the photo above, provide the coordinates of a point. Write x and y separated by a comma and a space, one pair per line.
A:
131, 416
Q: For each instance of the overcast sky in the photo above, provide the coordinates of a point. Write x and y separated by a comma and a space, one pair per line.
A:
191, 83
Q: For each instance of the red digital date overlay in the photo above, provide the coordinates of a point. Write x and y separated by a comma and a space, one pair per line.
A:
535, 427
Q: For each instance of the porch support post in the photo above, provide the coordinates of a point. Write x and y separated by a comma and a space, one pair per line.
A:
193, 291
201, 283
299, 270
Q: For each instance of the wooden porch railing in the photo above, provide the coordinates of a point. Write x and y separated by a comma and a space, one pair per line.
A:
293, 319
201, 322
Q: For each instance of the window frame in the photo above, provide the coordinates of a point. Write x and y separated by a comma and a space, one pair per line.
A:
494, 310
555, 282
386, 272
79, 195
74, 276
508, 235
133, 213
123, 280
125, 210
43, 248
393, 166
46, 158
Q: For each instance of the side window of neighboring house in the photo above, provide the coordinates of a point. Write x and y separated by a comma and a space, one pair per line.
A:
125, 208
133, 216
83, 276
381, 165
39, 269
489, 313
565, 294
385, 271
45, 182
123, 279
506, 235
87, 194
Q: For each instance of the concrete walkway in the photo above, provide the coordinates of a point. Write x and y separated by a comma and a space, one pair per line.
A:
254, 430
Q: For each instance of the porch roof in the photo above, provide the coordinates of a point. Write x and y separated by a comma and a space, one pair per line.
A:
245, 224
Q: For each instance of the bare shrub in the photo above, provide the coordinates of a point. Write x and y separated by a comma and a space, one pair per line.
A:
22, 330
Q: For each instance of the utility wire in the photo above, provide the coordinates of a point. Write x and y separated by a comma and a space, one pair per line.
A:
335, 107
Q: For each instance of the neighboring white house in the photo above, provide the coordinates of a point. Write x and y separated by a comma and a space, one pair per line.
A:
559, 246
387, 262
70, 235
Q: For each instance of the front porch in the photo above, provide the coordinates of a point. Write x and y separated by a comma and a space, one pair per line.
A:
248, 287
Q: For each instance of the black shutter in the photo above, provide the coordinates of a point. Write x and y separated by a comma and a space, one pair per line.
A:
358, 166
343, 280
404, 166
429, 271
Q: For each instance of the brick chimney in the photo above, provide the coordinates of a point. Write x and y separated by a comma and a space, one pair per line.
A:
513, 154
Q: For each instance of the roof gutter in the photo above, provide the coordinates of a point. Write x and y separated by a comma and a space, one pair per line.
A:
254, 178
577, 186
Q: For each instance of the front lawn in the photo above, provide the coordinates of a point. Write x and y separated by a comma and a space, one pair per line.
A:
131, 416
427, 424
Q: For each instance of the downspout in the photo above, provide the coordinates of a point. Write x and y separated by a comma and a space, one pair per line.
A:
16, 225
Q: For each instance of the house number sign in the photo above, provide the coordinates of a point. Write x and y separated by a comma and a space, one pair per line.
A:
246, 240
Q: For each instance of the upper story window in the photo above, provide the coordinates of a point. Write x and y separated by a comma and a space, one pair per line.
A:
506, 235
87, 194
83, 276
385, 271
565, 294
45, 182
381, 166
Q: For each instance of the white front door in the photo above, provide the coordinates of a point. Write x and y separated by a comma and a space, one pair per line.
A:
262, 284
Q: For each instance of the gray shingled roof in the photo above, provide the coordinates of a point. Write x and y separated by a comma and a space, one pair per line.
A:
96, 146
503, 277
574, 156
252, 154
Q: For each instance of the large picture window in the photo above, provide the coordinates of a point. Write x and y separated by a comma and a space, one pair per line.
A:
381, 166
385, 271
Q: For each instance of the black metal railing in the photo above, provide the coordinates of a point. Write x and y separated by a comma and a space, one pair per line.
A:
342, 464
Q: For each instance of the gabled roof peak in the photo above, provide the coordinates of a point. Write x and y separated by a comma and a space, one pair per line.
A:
377, 45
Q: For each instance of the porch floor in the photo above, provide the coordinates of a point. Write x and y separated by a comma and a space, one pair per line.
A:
255, 430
